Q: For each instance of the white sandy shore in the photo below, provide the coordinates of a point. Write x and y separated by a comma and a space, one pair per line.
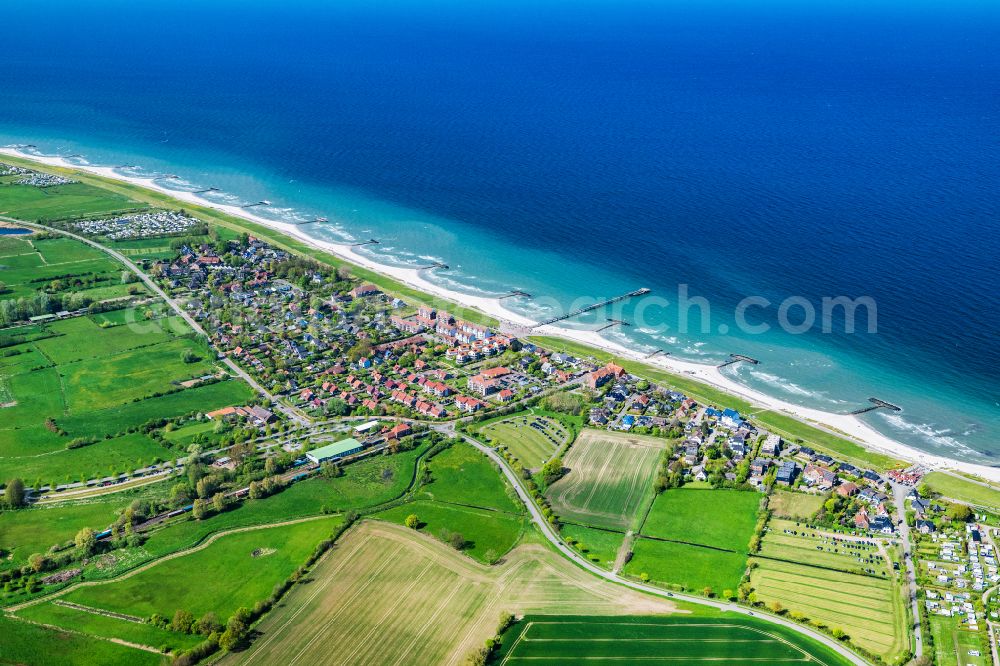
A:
845, 425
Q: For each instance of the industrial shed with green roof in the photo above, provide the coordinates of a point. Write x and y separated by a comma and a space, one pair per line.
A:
335, 451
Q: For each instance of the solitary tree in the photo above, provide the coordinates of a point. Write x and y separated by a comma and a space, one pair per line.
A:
199, 509
38, 562
14, 495
86, 541
412, 521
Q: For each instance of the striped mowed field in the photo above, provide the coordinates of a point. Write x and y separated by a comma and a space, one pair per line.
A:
868, 609
609, 480
550, 640
389, 595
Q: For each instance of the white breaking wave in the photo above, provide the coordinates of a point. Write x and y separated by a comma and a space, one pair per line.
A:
791, 387
943, 437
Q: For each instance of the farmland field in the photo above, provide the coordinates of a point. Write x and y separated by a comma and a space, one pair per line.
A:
789, 504
552, 639
869, 610
531, 439
609, 480
388, 595
717, 518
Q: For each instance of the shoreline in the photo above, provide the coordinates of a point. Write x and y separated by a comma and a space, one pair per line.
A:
843, 425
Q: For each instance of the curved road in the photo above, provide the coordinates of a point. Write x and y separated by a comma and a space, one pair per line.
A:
155, 288
580, 561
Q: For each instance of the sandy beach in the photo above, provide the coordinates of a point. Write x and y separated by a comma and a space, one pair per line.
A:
845, 425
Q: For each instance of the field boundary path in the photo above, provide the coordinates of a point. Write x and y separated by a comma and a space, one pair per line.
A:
899, 492
291, 413
152, 563
623, 552
549, 533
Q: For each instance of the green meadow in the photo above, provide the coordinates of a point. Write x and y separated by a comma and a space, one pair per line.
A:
39, 204
78, 378
202, 581
33, 645
694, 516
35, 530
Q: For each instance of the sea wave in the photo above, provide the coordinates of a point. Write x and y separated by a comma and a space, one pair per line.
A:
941, 437
789, 387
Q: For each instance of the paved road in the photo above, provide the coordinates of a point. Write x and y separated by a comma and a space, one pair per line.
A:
550, 534
899, 492
292, 414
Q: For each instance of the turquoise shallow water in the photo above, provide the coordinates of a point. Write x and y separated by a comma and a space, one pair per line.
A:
769, 151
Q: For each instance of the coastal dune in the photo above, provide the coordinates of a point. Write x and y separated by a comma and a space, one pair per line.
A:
844, 425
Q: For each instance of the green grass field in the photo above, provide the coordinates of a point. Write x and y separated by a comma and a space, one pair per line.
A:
97, 382
38, 204
488, 534
233, 571
718, 518
463, 475
552, 639
365, 483
34, 530
953, 642
610, 479
869, 610
598, 546
102, 626
105, 457
693, 568
32, 645
531, 439
790, 504
963, 490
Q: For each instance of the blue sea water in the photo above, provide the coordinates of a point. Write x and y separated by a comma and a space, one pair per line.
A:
580, 150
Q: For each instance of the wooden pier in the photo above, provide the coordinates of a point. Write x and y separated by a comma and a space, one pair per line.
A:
876, 404
313, 221
516, 293
263, 202
370, 241
655, 353
433, 266
210, 189
738, 358
612, 322
595, 306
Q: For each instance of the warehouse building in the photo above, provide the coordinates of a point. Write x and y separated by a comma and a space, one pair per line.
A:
335, 451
